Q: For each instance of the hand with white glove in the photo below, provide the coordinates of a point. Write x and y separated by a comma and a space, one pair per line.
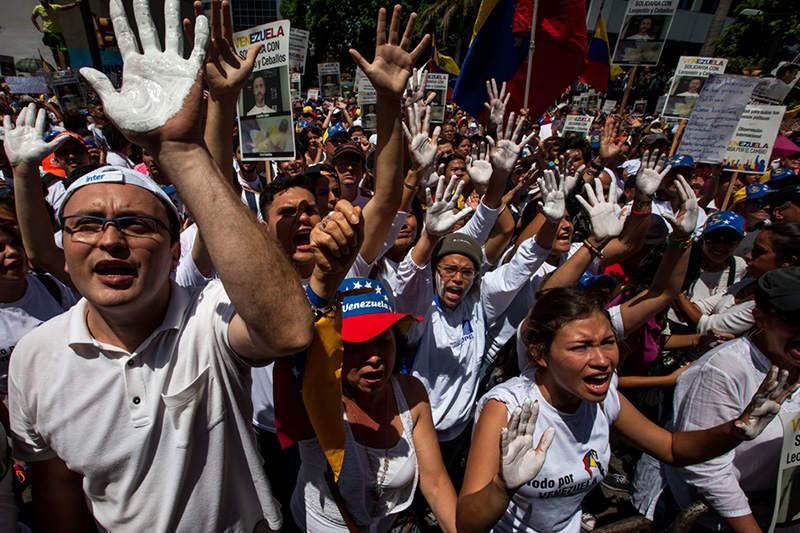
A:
24, 143
519, 462
156, 83
685, 222
506, 150
422, 147
766, 403
440, 217
649, 178
479, 167
496, 106
554, 197
602, 213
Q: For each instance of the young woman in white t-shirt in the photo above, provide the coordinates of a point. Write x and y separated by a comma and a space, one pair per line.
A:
509, 486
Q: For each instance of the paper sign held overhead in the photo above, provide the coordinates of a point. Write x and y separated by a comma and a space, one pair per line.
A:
750, 147
644, 32
690, 76
330, 80
437, 83
577, 124
266, 129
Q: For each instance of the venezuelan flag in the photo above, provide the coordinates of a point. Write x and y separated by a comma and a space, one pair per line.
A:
442, 62
499, 49
598, 56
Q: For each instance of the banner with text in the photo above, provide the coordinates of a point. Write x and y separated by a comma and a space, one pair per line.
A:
265, 108
298, 50
715, 117
787, 495
751, 145
577, 124
644, 32
690, 76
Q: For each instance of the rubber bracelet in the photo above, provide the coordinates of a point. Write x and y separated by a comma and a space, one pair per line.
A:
680, 244
412, 187
636, 213
315, 299
595, 251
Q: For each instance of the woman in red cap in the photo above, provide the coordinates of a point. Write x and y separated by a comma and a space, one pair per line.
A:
390, 442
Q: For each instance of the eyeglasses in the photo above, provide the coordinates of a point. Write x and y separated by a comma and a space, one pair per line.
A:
88, 228
450, 271
721, 238
66, 152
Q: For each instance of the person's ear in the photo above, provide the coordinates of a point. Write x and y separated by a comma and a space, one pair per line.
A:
537, 356
761, 318
176, 255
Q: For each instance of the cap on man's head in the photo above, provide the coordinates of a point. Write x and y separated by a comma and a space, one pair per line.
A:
754, 191
679, 160
347, 149
125, 176
594, 139
779, 290
458, 243
724, 219
367, 312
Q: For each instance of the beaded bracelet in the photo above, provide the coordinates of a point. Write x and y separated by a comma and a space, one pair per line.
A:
595, 251
636, 213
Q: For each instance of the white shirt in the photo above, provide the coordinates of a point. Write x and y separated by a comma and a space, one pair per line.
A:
721, 312
18, 318
713, 283
576, 461
118, 159
450, 343
716, 389
161, 436
260, 110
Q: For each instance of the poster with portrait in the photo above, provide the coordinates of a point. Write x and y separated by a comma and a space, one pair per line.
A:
437, 84
639, 107
264, 107
644, 31
330, 80
750, 148
296, 85
313, 93
367, 104
786, 514
608, 106
688, 81
68, 89
776, 87
592, 101
298, 50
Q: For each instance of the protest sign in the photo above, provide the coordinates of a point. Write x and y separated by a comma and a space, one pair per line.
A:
751, 145
313, 94
7, 66
27, 84
264, 107
298, 49
68, 89
330, 79
296, 87
592, 101
787, 508
775, 87
644, 32
687, 83
367, 103
716, 114
577, 124
437, 83
639, 107
546, 131
359, 77
608, 106
660, 103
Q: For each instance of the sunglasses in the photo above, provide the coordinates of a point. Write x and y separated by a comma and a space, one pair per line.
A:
66, 152
722, 237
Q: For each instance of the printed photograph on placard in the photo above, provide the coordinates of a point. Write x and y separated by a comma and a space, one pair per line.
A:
262, 94
68, 89
266, 137
639, 108
330, 80
367, 102
295, 85
644, 32
776, 87
688, 81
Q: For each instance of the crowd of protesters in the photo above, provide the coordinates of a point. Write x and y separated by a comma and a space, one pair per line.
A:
487, 305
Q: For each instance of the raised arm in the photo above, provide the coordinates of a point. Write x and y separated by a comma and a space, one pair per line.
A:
388, 73
25, 148
670, 274
159, 108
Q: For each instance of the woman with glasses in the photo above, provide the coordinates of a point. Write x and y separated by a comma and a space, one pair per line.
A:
731, 311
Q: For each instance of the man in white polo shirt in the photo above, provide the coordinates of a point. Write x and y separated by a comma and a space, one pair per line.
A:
134, 406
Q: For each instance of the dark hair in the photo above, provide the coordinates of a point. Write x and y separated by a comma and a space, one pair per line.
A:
785, 240
554, 309
577, 142
447, 160
74, 121
276, 187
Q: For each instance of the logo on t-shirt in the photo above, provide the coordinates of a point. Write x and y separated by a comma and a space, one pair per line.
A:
591, 460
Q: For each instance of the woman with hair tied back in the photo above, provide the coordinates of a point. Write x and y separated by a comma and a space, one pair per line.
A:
572, 389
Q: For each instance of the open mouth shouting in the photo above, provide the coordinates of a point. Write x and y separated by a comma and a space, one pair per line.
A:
597, 384
115, 273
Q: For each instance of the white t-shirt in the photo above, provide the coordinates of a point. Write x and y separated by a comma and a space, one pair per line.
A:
576, 461
37, 305
161, 436
260, 110
118, 159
